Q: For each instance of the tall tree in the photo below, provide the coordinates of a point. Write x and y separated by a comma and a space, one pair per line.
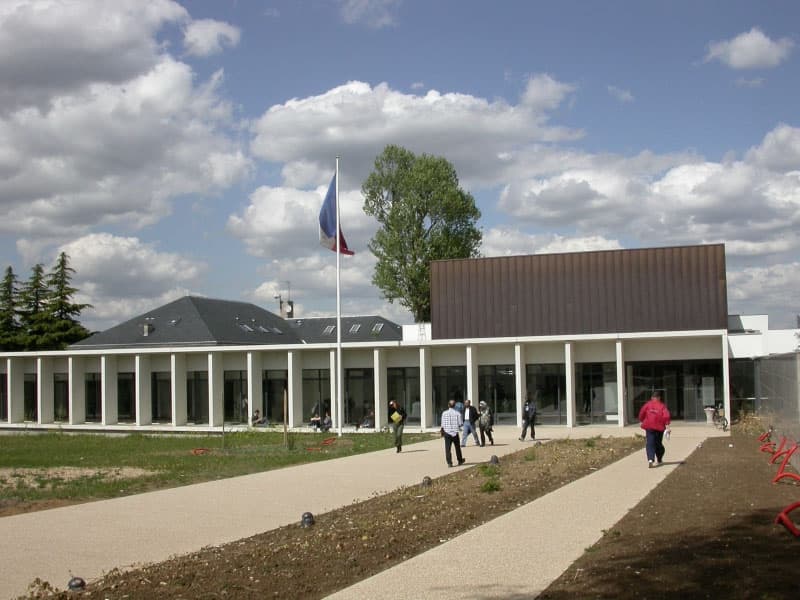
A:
424, 215
9, 326
63, 327
31, 310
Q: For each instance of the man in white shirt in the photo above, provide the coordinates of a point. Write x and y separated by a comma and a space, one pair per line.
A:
451, 421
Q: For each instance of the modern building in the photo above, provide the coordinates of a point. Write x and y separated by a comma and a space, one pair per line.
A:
588, 336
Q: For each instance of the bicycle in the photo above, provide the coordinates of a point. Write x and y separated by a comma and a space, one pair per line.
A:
718, 417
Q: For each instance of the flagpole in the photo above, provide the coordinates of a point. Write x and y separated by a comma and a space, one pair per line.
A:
339, 395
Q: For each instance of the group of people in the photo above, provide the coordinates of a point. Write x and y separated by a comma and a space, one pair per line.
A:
654, 417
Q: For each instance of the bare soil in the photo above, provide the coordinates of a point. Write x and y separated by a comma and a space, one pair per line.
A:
706, 532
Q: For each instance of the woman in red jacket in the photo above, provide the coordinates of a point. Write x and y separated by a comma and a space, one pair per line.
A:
655, 419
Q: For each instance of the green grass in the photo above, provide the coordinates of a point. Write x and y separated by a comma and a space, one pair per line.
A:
169, 460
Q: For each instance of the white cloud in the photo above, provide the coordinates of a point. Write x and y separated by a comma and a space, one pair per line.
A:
510, 241
375, 14
122, 276
623, 96
750, 50
285, 221
125, 133
306, 133
753, 82
779, 151
770, 289
205, 37
54, 47
543, 93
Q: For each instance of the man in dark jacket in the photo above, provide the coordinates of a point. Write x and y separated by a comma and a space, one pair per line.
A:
397, 421
528, 419
470, 423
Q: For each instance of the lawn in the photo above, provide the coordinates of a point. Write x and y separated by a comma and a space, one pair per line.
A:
40, 470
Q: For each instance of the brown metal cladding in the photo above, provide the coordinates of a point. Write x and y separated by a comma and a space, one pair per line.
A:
681, 288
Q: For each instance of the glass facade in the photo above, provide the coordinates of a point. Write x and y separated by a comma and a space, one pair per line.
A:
274, 384
316, 393
496, 387
126, 397
3, 397
60, 397
687, 386
596, 393
547, 386
359, 390
402, 385
235, 397
30, 406
94, 405
742, 373
161, 396
448, 383
197, 397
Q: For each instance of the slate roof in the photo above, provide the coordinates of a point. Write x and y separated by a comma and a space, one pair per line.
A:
322, 330
197, 321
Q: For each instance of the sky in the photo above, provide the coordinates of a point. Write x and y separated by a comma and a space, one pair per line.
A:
185, 147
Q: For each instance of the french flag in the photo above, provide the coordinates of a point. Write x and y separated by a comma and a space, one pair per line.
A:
327, 223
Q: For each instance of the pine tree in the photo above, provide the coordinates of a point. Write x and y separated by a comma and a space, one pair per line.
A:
9, 325
31, 310
62, 326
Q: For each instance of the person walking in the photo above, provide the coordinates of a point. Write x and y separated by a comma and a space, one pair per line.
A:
528, 419
655, 419
470, 424
451, 420
485, 422
397, 421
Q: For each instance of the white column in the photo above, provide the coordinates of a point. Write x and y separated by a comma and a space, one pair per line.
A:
216, 390
472, 374
16, 390
427, 418
44, 389
77, 390
335, 416
380, 382
621, 408
178, 397
108, 389
569, 364
726, 381
144, 398
255, 384
294, 360
520, 380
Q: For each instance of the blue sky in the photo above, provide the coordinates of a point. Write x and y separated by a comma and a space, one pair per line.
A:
185, 147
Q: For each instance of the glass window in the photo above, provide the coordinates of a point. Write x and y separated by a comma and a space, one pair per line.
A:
595, 392
236, 410
403, 386
448, 383
30, 405
3, 397
60, 397
94, 406
743, 385
126, 397
316, 393
329, 329
547, 386
161, 399
197, 397
359, 391
274, 384
686, 386
496, 387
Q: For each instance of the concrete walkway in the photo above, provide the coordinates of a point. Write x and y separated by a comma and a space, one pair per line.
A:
90, 539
